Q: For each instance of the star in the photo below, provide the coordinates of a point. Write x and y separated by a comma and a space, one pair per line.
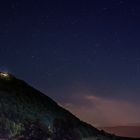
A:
105, 8
121, 2
33, 56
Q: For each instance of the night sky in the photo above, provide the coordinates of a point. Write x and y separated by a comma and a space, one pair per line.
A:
85, 54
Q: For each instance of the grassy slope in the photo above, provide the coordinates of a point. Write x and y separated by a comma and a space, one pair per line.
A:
19, 101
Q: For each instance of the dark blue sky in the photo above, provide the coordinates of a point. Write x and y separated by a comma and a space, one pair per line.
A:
72, 49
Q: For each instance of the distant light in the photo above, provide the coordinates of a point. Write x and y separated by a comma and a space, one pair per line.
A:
4, 74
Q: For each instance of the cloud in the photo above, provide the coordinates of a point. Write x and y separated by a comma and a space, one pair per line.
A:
101, 111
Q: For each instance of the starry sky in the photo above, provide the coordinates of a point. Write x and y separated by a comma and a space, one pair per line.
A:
85, 54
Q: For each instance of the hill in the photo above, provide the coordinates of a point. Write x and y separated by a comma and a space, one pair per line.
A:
131, 131
28, 114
